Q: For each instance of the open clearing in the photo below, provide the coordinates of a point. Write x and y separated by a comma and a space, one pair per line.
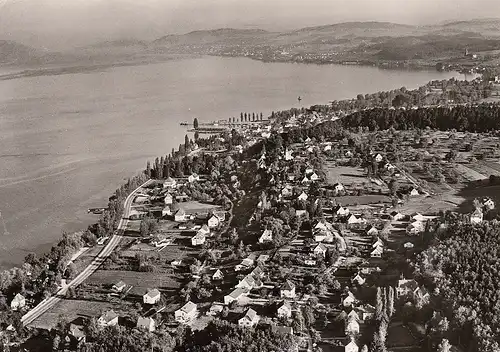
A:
140, 280
345, 174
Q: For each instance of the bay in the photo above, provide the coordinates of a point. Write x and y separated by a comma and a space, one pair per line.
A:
68, 141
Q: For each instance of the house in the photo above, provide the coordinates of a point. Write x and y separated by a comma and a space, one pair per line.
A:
353, 315
249, 282
371, 231
18, 302
236, 295
110, 318
287, 290
310, 149
218, 275
213, 222
348, 299
378, 243
186, 313
476, 217
348, 154
193, 178
358, 279
166, 211
327, 147
258, 273
314, 177
323, 236
341, 211
366, 312
378, 158
488, 204
352, 327
414, 192
263, 258
151, 297
408, 245
302, 196
415, 228
354, 220
406, 287
245, 263
351, 347
284, 310
198, 239
322, 225
119, 286
310, 261
397, 216
421, 294
180, 215
288, 155
305, 180
286, 191
221, 215
266, 236
169, 183
250, 319
300, 213
204, 229
147, 324
377, 252
418, 217
168, 199
215, 309
338, 187
320, 249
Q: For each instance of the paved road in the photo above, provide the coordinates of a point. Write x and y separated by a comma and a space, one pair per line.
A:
48, 303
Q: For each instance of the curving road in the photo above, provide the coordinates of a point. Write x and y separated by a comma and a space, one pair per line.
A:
50, 302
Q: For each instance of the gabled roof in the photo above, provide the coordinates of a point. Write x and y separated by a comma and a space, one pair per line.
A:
321, 247
180, 212
152, 293
109, 316
288, 286
285, 304
250, 314
144, 322
188, 307
237, 292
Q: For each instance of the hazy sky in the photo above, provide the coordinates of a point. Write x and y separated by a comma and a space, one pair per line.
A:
57, 23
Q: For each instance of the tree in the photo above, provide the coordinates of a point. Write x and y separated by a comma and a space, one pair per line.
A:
195, 123
444, 346
379, 304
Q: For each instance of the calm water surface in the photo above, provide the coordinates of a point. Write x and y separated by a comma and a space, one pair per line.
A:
68, 141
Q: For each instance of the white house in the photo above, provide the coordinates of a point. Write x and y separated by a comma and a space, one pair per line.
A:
285, 310
310, 261
151, 297
348, 299
488, 203
408, 245
418, 217
352, 327
397, 216
300, 213
323, 236
180, 215
314, 177
169, 183
249, 282
341, 211
258, 273
215, 309
351, 347
119, 286
378, 243
348, 154
186, 313
327, 148
166, 211
218, 275
353, 220
303, 196
286, 191
320, 249
193, 178
236, 295
198, 239
250, 319
338, 187
266, 236
147, 324
406, 287
476, 217
288, 155
414, 192
213, 222
377, 252
366, 312
110, 318
287, 290
372, 231
378, 158
18, 302
168, 199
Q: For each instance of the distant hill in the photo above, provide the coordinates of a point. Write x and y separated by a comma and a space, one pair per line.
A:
15, 53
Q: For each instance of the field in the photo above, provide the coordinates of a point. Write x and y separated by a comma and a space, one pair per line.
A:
400, 336
345, 174
69, 309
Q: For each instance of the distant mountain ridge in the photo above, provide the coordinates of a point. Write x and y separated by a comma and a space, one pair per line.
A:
368, 42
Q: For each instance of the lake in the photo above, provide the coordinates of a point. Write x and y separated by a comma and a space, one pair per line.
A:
68, 141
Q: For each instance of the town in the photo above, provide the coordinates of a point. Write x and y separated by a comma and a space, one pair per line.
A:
307, 224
